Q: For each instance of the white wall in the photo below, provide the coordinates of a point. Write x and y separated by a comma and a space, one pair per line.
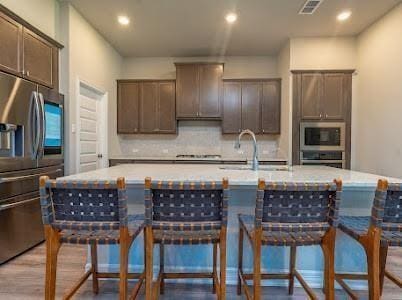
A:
323, 53
286, 108
235, 66
43, 14
89, 57
379, 106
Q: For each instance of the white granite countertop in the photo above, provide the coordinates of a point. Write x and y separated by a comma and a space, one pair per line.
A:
135, 174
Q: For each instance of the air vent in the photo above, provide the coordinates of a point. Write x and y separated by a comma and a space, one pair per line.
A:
310, 7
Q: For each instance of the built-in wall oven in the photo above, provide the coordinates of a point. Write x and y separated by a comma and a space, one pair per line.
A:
322, 143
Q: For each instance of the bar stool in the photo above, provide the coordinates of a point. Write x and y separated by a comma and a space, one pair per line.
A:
376, 233
291, 214
185, 213
92, 213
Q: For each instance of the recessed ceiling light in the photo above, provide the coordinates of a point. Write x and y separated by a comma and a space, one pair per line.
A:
231, 18
123, 20
343, 16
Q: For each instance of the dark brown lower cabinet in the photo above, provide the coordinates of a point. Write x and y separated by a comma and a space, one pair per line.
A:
252, 104
146, 106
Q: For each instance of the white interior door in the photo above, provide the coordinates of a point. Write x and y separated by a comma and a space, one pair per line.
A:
90, 133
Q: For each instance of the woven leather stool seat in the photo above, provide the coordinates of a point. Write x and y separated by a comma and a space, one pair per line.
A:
358, 226
102, 237
282, 238
186, 237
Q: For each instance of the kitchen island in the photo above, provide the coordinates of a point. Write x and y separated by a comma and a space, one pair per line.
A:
357, 197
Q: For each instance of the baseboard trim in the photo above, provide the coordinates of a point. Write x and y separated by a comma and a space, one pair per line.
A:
313, 278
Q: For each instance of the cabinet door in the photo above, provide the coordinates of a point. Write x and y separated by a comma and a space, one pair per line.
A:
311, 96
210, 90
149, 107
127, 108
38, 58
10, 42
231, 107
271, 107
167, 107
187, 80
251, 93
333, 97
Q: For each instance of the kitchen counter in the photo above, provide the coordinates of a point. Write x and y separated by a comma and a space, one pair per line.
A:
135, 174
357, 197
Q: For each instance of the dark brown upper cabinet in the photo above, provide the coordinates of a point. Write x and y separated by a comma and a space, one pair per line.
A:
251, 93
252, 104
128, 94
10, 45
311, 96
271, 107
157, 107
199, 90
231, 107
37, 59
323, 96
27, 52
146, 106
167, 107
333, 97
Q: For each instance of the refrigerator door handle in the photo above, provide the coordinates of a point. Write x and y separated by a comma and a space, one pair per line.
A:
35, 123
41, 101
11, 205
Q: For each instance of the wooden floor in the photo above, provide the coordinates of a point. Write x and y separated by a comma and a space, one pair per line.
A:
23, 278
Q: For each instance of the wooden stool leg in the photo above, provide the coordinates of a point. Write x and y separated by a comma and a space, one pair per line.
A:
52, 249
328, 248
373, 267
292, 268
214, 261
94, 261
162, 267
149, 263
383, 262
222, 264
257, 264
124, 248
240, 260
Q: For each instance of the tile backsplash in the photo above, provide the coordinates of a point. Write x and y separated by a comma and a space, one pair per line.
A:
196, 137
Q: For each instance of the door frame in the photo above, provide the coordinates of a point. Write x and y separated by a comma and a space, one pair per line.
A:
104, 99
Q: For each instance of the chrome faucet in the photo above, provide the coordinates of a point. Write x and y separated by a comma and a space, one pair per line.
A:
255, 154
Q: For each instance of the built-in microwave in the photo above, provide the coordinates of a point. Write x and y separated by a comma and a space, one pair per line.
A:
322, 136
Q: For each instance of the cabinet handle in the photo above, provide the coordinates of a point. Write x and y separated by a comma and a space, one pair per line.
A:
27, 73
326, 115
320, 116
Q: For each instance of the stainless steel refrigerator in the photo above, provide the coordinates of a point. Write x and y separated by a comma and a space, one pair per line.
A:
31, 145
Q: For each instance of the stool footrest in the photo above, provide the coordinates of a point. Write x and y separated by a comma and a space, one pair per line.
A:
176, 275
393, 278
339, 278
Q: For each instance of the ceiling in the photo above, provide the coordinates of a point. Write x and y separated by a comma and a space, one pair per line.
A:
198, 27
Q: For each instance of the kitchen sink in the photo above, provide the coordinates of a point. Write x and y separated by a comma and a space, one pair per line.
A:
261, 168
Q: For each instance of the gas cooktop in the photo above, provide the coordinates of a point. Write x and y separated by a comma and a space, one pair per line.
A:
199, 156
